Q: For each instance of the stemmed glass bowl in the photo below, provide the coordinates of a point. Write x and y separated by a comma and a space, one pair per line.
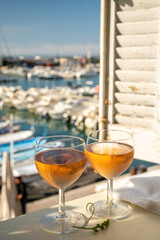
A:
110, 153
60, 160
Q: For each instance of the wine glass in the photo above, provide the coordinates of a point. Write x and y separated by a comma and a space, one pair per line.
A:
60, 160
110, 153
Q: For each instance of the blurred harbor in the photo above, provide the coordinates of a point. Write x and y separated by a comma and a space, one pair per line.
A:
49, 100
59, 89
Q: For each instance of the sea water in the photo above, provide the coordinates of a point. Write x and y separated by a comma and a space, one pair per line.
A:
26, 83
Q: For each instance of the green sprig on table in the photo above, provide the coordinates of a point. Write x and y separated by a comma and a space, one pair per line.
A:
95, 228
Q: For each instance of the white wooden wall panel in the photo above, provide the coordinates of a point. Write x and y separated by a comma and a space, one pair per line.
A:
137, 35
137, 64
136, 28
137, 40
135, 111
137, 52
132, 5
136, 87
138, 99
135, 122
135, 76
139, 15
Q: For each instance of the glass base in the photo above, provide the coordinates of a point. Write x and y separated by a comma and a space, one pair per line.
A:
54, 224
116, 211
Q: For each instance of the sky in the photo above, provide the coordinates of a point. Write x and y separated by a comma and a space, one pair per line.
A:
49, 27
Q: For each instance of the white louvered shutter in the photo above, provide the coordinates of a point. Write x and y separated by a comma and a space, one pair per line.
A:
134, 61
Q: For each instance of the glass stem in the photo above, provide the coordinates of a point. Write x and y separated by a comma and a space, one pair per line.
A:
110, 191
61, 210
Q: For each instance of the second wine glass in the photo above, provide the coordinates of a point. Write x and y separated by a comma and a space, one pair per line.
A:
60, 160
110, 153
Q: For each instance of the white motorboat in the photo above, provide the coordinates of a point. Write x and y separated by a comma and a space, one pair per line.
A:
85, 74
35, 71
57, 113
48, 75
19, 104
59, 109
4, 124
68, 74
16, 136
20, 145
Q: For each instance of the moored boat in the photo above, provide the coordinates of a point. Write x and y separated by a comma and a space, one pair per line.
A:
24, 150
4, 124
85, 74
19, 145
16, 136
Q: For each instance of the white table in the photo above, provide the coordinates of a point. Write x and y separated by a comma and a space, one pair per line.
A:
141, 225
